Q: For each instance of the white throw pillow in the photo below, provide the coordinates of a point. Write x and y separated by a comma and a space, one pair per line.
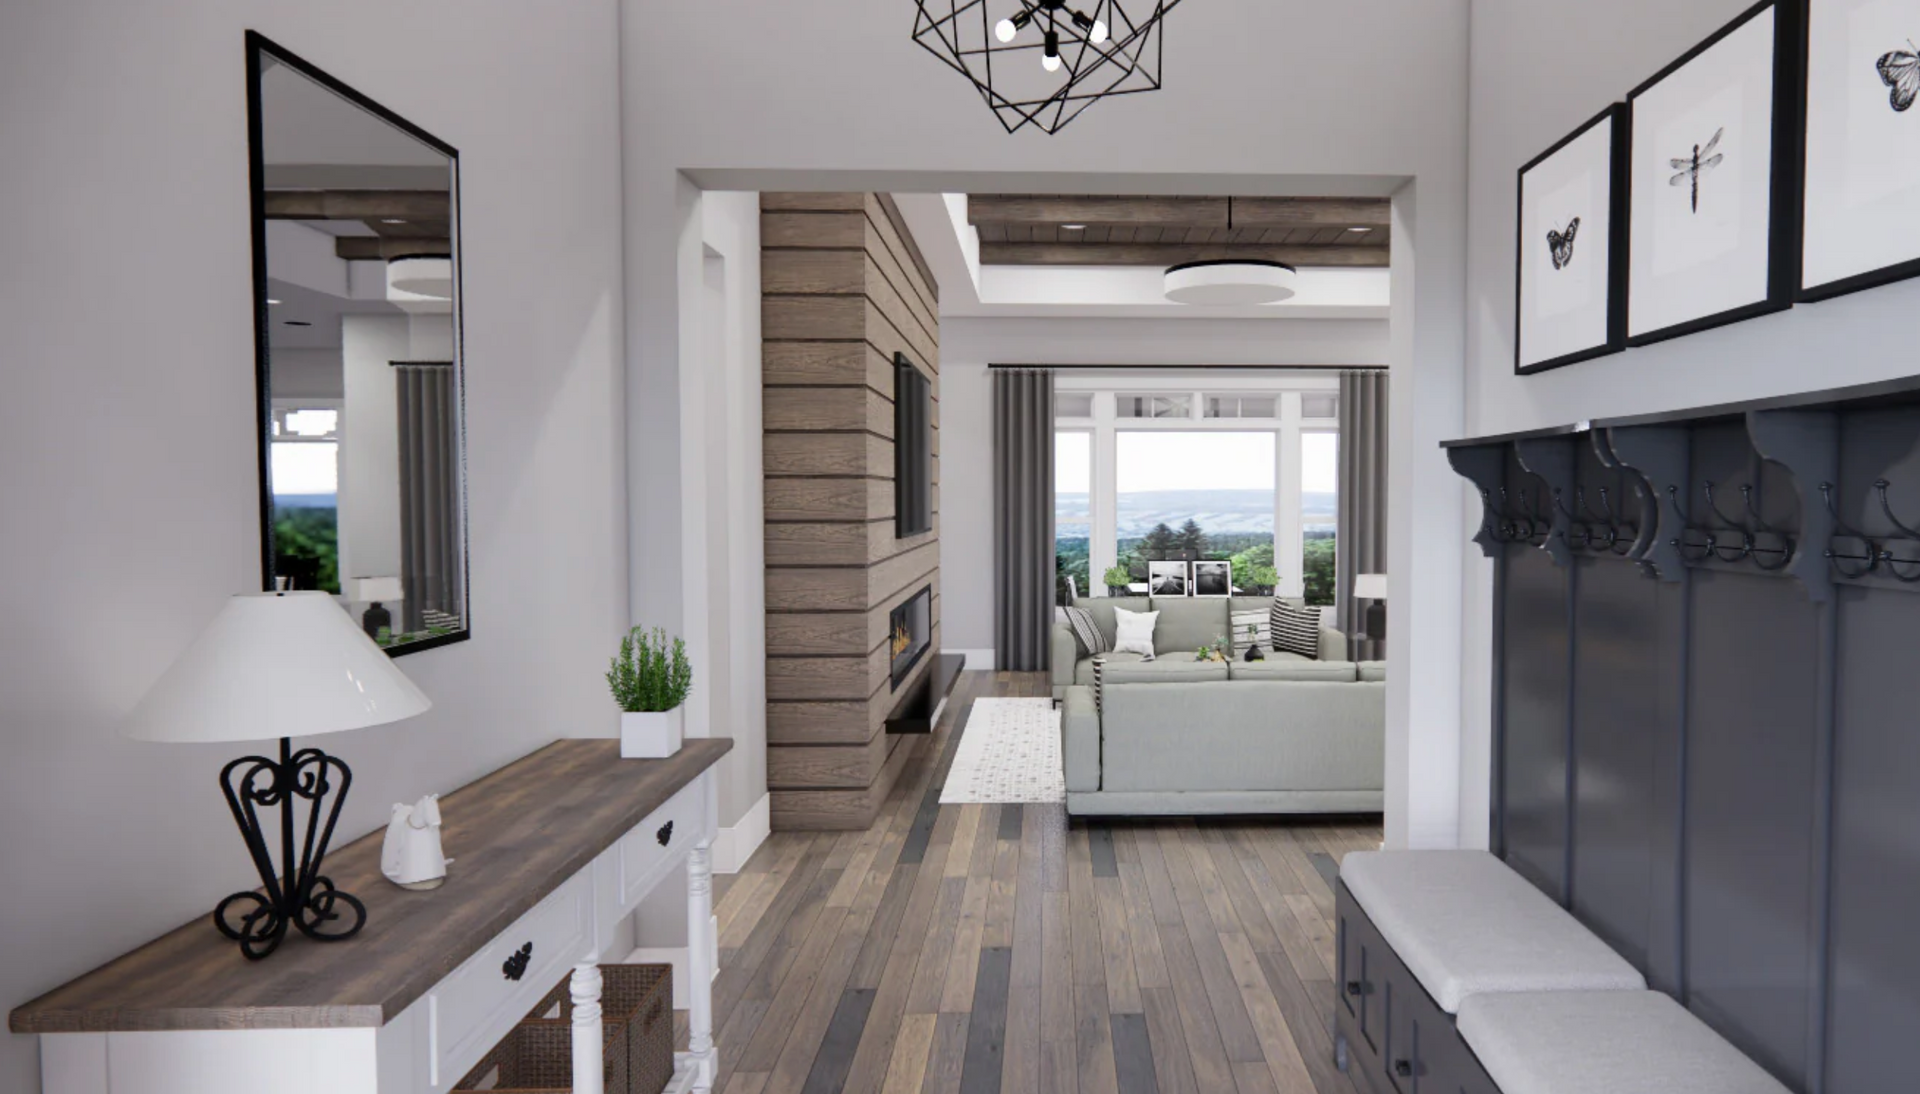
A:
1135, 632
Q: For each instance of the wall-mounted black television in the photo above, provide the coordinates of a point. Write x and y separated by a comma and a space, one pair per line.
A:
912, 449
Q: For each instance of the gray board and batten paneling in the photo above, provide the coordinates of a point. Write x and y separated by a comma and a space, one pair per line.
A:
1705, 743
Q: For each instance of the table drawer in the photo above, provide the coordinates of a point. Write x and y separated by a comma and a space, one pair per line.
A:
646, 852
476, 1005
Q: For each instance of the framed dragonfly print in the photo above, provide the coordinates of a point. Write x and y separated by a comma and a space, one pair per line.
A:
1862, 215
1570, 295
1714, 170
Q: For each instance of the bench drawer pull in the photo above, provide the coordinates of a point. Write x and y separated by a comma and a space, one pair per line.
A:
665, 834
515, 966
1353, 987
1403, 1068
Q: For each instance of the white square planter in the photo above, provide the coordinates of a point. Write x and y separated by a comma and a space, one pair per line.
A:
651, 735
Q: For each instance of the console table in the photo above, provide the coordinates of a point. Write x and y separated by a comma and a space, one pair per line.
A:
549, 854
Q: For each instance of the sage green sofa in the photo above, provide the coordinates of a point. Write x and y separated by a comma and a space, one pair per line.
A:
1177, 736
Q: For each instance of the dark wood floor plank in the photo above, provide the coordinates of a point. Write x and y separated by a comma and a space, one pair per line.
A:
987, 1025
1022, 1065
1100, 842
1209, 960
1308, 1021
830, 1066
1133, 1053
949, 1052
1172, 1066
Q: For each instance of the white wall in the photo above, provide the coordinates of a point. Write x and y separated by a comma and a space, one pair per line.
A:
1255, 102
1541, 67
127, 430
969, 346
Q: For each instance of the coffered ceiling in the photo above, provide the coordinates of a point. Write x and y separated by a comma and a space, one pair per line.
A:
1106, 230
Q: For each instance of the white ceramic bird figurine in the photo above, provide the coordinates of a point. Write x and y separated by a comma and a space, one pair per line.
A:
411, 856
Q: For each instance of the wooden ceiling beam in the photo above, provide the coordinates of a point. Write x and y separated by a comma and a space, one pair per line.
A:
1178, 212
375, 205
386, 248
1169, 254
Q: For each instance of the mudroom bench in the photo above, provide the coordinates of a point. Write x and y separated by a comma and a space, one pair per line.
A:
1458, 976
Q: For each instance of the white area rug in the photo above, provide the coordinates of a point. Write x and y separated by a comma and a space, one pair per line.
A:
1009, 752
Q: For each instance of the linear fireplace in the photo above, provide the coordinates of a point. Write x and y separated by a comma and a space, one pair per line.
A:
910, 632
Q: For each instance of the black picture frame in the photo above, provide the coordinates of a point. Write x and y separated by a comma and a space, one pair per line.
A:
1784, 209
1617, 116
257, 47
1842, 286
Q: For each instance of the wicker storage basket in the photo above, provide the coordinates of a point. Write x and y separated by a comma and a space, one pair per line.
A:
636, 1005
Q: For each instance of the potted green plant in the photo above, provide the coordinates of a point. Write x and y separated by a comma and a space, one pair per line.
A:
1117, 579
650, 680
1263, 579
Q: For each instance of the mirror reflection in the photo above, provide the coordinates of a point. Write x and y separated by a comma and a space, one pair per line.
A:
357, 226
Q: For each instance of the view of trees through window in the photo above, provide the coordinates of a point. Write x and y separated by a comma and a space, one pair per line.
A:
1195, 496
1319, 512
1072, 512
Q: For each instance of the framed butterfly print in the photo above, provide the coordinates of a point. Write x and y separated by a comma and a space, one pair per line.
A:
1862, 216
1570, 297
1714, 173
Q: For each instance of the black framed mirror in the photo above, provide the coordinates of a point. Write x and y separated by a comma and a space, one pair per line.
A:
356, 284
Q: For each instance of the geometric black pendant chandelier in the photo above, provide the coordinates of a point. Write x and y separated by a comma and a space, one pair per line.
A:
1041, 62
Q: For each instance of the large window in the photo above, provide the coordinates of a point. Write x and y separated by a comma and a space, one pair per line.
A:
304, 468
1195, 496
1227, 465
1072, 512
1319, 509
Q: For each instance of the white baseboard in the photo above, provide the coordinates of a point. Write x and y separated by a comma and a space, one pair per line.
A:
732, 847
977, 660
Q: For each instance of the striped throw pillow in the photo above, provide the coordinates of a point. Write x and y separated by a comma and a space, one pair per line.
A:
1296, 630
1251, 629
1099, 671
1080, 621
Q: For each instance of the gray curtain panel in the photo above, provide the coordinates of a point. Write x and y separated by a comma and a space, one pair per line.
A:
1361, 546
430, 569
1023, 518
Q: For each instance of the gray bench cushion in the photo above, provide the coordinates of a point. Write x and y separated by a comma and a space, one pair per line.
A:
1292, 666
1603, 1042
1464, 924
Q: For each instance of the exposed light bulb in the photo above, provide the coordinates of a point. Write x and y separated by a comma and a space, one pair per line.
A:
1005, 30
1050, 59
1098, 36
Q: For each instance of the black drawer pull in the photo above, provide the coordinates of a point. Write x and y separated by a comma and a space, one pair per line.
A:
1353, 987
1403, 1068
665, 834
515, 966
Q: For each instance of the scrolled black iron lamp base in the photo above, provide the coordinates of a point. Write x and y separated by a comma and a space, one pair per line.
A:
294, 894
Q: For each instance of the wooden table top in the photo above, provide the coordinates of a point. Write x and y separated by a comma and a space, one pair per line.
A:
517, 834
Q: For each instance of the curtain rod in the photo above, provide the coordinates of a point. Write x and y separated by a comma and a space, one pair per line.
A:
1204, 368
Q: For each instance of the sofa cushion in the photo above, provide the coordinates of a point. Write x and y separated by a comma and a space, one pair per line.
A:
1187, 623
1296, 629
1087, 635
1603, 1042
1259, 735
1373, 671
1176, 667
1101, 609
1294, 667
1464, 923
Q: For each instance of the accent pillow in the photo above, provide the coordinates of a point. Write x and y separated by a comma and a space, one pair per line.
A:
1251, 629
1134, 632
1295, 630
1080, 622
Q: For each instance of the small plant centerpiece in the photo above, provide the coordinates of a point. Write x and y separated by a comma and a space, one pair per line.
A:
650, 680
1117, 579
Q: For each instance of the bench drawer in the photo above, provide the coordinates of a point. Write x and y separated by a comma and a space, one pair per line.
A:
483, 998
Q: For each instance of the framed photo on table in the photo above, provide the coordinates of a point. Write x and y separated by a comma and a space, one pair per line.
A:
1862, 167
1570, 291
1213, 578
1713, 190
1167, 577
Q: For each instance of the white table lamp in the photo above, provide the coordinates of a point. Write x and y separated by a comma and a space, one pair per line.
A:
1373, 587
280, 665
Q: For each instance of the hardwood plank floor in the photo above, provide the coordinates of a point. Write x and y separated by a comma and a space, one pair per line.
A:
1000, 948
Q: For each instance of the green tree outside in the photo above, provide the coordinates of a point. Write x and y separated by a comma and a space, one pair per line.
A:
306, 547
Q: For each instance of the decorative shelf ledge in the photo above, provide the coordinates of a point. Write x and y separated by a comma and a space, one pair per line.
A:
921, 702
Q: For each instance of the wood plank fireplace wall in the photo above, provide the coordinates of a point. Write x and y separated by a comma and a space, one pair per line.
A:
844, 290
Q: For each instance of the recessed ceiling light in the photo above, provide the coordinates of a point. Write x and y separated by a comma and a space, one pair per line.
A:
298, 323
1073, 227
1359, 229
272, 301
391, 220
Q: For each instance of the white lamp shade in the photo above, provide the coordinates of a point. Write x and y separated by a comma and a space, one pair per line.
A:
1370, 586
275, 665
369, 590
417, 277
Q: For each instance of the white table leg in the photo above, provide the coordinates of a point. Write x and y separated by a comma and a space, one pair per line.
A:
589, 1066
700, 968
